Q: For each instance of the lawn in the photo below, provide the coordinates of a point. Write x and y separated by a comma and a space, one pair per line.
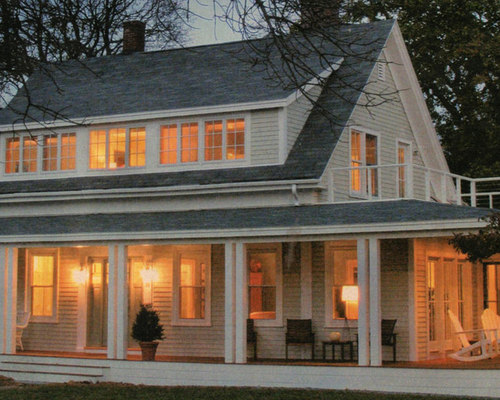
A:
105, 391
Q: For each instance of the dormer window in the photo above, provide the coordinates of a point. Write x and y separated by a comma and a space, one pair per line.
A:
117, 148
21, 154
59, 152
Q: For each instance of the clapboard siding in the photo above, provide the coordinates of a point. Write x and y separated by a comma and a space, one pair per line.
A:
264, 137
297, 114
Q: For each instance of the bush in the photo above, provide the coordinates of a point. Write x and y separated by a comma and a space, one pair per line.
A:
147, 327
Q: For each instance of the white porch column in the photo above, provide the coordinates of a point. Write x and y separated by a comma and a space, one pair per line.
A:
3, 296
241, 304
112, 271
375, 304
363, 304
8, 300
229, 302
306, 280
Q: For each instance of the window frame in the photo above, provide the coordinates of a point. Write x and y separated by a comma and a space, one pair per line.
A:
21, 154
330, 248
43, 252
202, 147
267, 248
363, 193
408, 179
107, 130
205, 252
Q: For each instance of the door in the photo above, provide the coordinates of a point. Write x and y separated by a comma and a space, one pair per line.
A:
97, 303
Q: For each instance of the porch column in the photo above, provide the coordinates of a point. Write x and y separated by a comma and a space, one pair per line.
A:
117, 302
375, 304
306, 280
363, 304
229, 302
8, 301
241, 304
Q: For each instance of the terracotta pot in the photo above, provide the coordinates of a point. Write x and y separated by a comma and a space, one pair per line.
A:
148, 350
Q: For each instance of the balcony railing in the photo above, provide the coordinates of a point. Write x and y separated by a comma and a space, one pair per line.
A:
407, 181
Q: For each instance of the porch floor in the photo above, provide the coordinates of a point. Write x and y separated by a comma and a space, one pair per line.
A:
441, 363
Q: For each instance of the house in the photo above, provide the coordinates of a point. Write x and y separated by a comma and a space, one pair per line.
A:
185, 179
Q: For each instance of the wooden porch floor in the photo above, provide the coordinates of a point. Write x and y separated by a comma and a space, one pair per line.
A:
443, 363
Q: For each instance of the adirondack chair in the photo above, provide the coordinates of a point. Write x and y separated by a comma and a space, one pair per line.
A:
23, 319
491, 326
479, 350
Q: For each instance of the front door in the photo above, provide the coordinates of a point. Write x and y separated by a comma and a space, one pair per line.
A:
97, 303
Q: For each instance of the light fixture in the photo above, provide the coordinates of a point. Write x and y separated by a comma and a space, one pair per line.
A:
148, 275
80, 275
350, 295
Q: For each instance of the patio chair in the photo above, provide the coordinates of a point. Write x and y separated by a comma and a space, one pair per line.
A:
23, 319
252, 336
491, 326
388, 335
474, 351
299, 331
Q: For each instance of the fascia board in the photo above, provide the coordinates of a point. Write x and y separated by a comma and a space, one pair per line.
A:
383, 230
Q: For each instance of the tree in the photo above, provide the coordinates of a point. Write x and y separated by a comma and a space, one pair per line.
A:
455, 48
33, 33
481, 245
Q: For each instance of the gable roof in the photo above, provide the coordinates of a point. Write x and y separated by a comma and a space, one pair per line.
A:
204, 76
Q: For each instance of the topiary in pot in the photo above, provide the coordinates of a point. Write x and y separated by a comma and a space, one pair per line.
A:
147, 330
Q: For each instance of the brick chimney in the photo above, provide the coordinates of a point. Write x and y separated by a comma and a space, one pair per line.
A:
133, 36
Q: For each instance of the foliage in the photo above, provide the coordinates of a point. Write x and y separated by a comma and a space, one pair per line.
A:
455, 49
147, 327
482, 245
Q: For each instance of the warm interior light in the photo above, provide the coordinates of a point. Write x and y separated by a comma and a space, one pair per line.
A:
350, 293
80, 275
148, 275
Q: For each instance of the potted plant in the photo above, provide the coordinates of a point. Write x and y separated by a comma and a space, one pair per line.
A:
147, 330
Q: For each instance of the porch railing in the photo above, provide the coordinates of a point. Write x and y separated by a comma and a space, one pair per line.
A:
397, 181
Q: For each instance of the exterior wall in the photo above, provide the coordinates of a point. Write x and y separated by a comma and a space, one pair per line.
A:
264, 137
389, 121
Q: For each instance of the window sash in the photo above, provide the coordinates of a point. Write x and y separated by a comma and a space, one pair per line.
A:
117, 148
364, 153
43, 286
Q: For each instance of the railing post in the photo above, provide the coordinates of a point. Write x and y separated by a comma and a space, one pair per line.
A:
459, 190
370, 182
473, 202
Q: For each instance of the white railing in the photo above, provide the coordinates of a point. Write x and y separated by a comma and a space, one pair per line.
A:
396, 181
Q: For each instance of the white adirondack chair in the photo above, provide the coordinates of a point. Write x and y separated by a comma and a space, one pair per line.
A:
491, 326
479, 350
23, 319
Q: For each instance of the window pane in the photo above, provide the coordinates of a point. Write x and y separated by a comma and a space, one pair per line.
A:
213, 140
189, 142
355, 146
49, 153
42, 285
262, 285
235, 137
97, 149
117, 145
12, 155
168, 144
137, 147
371, 150
344, 284
192, 289
29, 154
68, 151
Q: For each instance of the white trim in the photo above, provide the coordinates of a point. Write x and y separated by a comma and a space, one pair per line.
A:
412, 300
408, 169
181, 112
122, 305
283, 134
363, 304
112, 301
375, 303
241, 303
229, 301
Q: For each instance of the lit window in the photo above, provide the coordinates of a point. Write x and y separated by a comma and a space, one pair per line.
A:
117, 148
189, 142
235, 147
68, 151
264, 282
49, 161
12, 155
43, 285
192, 285
364, 153
213, 140
341, 281
168, 144
30, 150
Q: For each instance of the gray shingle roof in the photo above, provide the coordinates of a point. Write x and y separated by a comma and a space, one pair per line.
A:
351, 214
196, 77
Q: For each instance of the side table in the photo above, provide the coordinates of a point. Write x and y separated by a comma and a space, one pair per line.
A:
342, 344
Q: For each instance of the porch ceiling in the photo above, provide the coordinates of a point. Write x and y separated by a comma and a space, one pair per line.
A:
355, 217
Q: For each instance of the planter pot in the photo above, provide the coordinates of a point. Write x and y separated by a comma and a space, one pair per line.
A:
148, 350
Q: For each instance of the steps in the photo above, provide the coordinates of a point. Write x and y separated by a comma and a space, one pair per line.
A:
29, 371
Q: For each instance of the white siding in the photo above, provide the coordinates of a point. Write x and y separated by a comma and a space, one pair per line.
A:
264, 137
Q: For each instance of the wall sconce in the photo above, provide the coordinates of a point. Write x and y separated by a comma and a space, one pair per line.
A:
148, 275
350, 295
80, 276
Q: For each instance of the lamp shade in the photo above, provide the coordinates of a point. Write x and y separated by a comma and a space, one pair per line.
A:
350, 293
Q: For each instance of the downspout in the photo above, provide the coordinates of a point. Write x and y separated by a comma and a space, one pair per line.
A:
296, 201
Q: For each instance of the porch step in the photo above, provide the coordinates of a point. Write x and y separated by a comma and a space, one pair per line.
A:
23, 371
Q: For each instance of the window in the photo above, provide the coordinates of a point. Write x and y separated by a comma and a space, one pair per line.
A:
117, 148
68, 151
51, 161
192, 285
43, 268
341, 281
492, 287
217, 140
264, 282
364, 153
403, 158
12, 155
15, 156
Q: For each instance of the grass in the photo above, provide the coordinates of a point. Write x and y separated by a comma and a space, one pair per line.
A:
109, 391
